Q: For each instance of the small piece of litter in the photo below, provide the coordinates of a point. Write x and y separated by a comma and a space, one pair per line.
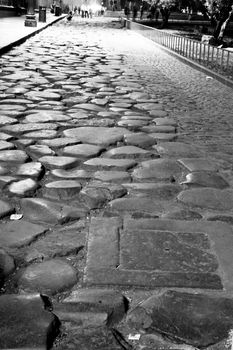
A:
16, 216
134, 336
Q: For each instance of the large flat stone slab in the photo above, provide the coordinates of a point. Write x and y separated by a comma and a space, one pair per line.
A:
25, 324
208, 198
97, 135
198, 320
160, 253
159, 169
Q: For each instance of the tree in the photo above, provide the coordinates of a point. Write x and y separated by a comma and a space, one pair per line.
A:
222, 11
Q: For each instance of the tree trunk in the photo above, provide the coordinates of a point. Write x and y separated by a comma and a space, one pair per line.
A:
222, 22
224, 25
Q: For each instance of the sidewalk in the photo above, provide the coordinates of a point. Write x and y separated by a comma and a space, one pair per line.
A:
13, 31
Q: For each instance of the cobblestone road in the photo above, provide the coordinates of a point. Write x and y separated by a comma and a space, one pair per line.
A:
116, 188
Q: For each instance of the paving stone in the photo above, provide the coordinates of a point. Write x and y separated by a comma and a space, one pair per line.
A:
25, 323
57, 243
148, 106
29, 127
49, 277
7, 120
62, 162
127, 151
7, 265
5, 137
162, 137
92, 301
32, 169
209, 198
42, 95
15, 156
129, 115
139, 140
161, 169
97, 135
5, 180
83, 150
105, 265
74, 173
182, 215
158, 191
112, 176
19, 233
165, 121
88, 107
41, 134
159, 129
178, 149
200, 164
3, 170
46, 117
6, 209
39, 151
158, 113
132, 124
38, 209
25, 187
16, 101
205, 179
109, 163
136, 204
9, 107
196, 319
64, 189
59, 142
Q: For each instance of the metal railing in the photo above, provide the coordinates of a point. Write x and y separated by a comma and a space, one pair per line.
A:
215, 58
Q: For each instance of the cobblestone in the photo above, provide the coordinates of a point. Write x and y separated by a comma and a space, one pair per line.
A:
117, 161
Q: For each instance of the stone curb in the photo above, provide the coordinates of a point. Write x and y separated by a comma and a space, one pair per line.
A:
191, 63
8, 47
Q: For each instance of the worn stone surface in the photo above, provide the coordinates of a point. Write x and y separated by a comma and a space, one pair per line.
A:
200, 164
39, 209
49, 277
128, 151
209, 198
82, 150
177, 149
161, 169
19, 233
57, 243
205, 179
195, 319
32, 169
58, 162
24, 187
112, 176
5, 208
64, 189
91, 301
109, 163
15, 156
72, 173
97, 135
25, 324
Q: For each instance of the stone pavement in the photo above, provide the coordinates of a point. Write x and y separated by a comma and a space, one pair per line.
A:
116, 195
